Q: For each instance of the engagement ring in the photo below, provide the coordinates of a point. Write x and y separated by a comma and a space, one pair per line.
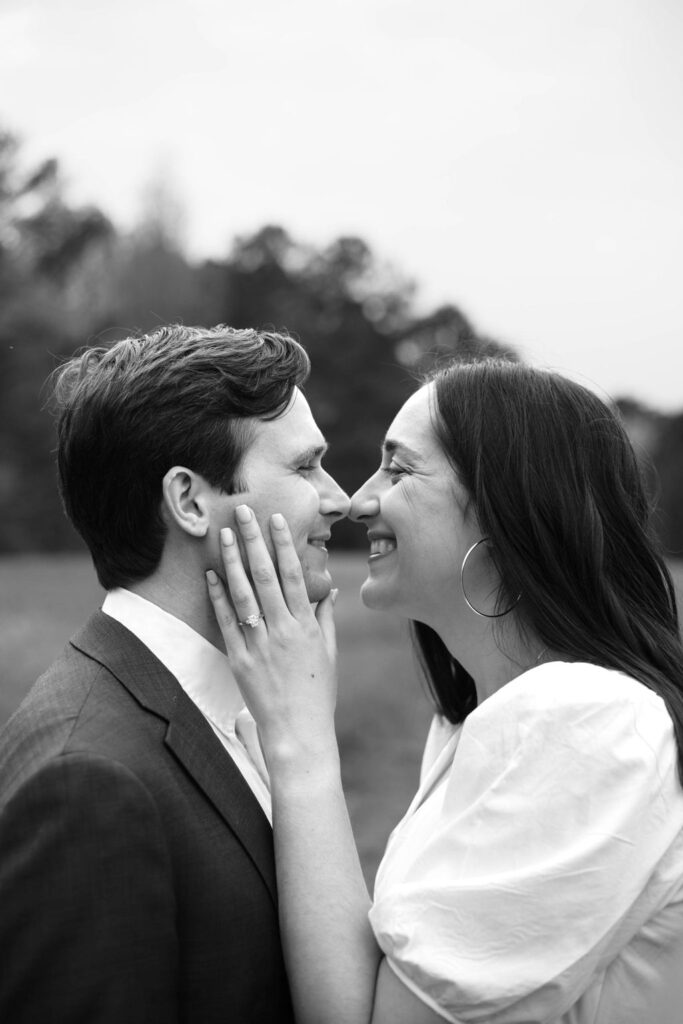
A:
252, 620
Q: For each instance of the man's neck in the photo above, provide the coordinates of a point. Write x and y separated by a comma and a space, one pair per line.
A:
184, 597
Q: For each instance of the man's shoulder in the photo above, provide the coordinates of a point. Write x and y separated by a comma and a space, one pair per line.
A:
78, 703
56, 696
59, 694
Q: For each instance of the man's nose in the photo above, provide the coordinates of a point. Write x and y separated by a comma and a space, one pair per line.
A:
334, 502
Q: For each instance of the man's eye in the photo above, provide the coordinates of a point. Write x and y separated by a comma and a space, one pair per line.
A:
307, 469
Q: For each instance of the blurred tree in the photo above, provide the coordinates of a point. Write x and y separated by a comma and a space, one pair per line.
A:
442, 335
31, 515
68, 278
43, 243
41, 237
142, 279
668, 458
658, 443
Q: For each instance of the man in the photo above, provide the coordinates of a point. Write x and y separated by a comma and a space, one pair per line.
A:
136, 869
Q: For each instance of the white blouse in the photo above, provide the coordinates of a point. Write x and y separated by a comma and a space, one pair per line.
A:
538, 873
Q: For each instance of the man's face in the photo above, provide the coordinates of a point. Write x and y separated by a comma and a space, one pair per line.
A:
283, 473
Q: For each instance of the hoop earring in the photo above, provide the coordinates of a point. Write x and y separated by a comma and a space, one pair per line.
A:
483, 615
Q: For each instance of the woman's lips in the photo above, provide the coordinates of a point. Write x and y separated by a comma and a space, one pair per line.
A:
381, 546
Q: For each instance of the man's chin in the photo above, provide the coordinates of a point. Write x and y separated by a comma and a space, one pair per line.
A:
318, 585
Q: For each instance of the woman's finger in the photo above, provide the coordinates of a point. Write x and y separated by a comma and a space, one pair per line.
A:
240, 589
260, 566
225, 613
325, 616
289, 568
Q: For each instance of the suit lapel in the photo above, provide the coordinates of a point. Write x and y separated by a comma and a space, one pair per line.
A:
215, 772
188, 736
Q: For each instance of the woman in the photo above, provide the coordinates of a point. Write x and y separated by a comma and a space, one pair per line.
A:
538, 873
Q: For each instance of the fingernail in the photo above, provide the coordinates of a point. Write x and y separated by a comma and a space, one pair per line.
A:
227, 536
334, 594
278, 521
211, 577
243, 513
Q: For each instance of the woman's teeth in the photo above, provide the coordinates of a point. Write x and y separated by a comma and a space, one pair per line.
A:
382, 547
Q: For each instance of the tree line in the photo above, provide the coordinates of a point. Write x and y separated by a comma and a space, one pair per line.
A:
68, 278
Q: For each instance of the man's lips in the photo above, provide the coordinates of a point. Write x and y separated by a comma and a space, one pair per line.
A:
319, 542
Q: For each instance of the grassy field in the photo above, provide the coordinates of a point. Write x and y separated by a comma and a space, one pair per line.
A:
382, 716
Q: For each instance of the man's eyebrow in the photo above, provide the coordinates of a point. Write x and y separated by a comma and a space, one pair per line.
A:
315, 451
390, 447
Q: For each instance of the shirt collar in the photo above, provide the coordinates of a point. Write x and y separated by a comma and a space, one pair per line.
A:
201, 669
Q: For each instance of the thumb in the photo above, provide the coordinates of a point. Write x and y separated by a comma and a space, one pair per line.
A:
324, 613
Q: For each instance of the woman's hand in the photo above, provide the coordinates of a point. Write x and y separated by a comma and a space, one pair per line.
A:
285, 665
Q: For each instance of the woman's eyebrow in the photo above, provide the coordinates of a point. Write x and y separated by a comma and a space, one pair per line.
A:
391, 447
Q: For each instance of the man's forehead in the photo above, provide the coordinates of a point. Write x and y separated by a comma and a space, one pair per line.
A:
293, 435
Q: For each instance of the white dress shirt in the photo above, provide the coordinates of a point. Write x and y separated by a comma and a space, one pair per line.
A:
538, 873
204, 674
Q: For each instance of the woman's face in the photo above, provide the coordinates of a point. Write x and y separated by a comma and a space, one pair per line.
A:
420, 524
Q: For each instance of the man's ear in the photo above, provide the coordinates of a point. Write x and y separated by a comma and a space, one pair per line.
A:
186, 500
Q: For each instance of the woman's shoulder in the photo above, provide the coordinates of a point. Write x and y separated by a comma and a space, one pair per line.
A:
574, 702
572, 684
439, 738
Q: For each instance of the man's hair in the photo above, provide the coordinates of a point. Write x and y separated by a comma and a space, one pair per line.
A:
128, 413
556, 487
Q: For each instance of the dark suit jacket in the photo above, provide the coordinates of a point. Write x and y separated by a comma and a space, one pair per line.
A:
136, 867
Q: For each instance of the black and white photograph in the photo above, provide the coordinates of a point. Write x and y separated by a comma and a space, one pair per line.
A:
341, 494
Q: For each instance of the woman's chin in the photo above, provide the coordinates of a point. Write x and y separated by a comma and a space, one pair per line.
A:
374, 595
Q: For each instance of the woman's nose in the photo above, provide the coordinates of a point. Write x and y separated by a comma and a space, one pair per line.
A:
365, 502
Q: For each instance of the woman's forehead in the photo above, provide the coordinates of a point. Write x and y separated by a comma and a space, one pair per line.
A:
413, 425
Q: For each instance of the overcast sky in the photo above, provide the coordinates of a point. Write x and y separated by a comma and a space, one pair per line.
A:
522, 159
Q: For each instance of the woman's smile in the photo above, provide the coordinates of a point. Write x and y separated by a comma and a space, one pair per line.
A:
380, 545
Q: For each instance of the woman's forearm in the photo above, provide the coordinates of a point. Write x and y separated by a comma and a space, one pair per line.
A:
285, 666
331, 954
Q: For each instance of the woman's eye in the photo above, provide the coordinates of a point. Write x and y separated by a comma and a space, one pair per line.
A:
307, 469
394, 471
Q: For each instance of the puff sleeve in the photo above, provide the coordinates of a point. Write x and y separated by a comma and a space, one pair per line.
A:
552, 838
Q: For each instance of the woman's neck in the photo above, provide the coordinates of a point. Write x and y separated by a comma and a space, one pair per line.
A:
494, 655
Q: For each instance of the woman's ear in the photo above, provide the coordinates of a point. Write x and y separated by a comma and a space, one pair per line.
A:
186, 500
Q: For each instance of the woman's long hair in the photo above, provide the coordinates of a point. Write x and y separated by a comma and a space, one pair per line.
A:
556, 487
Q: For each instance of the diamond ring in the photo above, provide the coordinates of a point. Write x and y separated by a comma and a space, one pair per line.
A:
252, 620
